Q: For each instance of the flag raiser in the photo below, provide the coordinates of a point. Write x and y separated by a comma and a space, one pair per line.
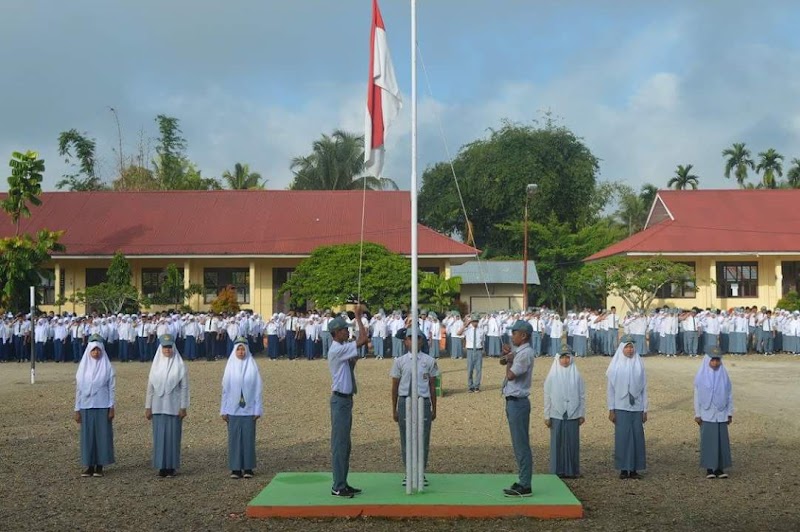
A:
383, 95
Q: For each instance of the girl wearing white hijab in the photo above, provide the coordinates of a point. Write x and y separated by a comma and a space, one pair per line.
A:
241, 407
713, 411
627, 408
165, 404
564, 413
95, 386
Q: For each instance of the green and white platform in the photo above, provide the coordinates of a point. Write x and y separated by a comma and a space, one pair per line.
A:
448, 496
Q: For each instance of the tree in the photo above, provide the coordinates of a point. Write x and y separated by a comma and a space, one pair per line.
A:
173, 290
648, 195
170, 148
493, 174
24, 185
226, 301
117, 292
790, 301
770, 164
330, 276
631, 210
438, 292
242, 178
85, 179
683, 178
135, 177
21, 258
793, 175
636, 281
336, 162
738, 160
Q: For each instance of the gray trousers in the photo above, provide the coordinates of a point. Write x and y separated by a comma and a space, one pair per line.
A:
341, 423
690, 339
518, 413
474, 367
401, 422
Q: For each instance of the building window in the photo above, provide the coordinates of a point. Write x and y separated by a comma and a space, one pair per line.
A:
95, 276
216, 279
153, 280
737, 279
47, 289
680, 289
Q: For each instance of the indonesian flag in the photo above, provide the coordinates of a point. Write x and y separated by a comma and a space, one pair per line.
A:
383, 95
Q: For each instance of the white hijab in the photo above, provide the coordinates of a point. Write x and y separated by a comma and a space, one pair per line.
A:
166, 372
626, 374
241, 381
563, 386
713, 386
93, 373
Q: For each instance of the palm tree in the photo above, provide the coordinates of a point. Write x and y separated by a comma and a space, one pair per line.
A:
243, 179
648, 195
683, 178
738, 160
336, 162
770, 164
793, 175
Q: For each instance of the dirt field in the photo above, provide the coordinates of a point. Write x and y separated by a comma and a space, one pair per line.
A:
42, 488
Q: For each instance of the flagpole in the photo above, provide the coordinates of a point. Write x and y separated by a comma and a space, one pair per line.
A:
414, 482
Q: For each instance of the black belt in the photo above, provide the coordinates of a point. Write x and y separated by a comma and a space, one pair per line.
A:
514, 398
345, 395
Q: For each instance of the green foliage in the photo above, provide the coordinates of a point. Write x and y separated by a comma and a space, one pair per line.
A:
119, 271
24, 185
173, 171
683, 178
438, 292
172, 288
117, 293
636, 281
790, 302
242, 178
85, 179
770, 163
793, 175
336, 162
493, 175
20, 260
330, 275
738, 160
226, 301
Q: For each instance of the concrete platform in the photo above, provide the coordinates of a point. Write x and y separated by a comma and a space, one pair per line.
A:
447, 496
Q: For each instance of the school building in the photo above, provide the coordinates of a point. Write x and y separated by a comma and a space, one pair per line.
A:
250, 239
488, 286
744, 246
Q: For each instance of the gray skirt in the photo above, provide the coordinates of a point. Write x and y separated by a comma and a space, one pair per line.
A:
167, 441
629, 448
565, 447
715, 447
97, 438
579, 345
241, 443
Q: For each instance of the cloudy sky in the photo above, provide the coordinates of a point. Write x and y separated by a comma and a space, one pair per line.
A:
648, 84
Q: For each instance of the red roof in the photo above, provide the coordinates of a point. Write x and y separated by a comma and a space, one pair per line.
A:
229, 222
717, 221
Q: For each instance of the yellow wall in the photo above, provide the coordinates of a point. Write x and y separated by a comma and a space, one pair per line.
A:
503, 296
261, 292
769, 284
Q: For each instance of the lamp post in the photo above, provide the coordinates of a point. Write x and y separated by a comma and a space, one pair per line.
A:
530, 190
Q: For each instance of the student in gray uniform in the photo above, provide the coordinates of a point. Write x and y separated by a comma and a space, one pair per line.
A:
94, 408
427, 371
564, 413
627, 408
713, 411
516, 391
342, 357
241, 406
165, 404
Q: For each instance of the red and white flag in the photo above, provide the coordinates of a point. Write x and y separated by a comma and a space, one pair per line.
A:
383, 95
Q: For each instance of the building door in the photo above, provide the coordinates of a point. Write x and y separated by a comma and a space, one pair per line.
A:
790, 271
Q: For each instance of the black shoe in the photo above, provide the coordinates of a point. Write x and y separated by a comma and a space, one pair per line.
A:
710, 474
162, 473
98, 471
88, 473
623, 475
346, 493
236, 474
355, 491
248, 473
517, 491
634, 475
171, 473
720, 473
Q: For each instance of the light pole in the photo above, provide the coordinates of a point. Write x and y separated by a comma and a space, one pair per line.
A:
530, 190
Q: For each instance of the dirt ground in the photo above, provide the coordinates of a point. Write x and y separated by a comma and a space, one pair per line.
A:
42, 488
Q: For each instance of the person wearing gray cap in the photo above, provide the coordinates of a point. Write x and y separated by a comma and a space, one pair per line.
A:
342, 357
517, 390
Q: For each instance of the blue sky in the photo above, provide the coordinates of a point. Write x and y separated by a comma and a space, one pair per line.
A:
647, 84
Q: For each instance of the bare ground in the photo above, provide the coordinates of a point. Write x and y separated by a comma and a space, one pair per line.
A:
42, 489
